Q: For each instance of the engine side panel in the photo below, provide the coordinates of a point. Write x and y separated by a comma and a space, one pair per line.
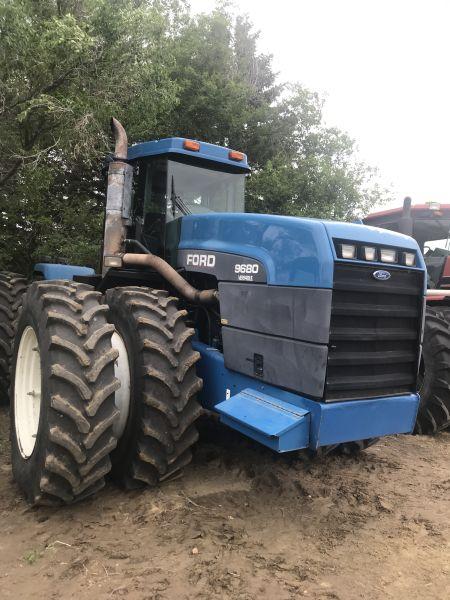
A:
285, 363
297, 313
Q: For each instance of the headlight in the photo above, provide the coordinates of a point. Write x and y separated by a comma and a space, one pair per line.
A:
348, 251
433, 205
369, 253
388, 255
409, 259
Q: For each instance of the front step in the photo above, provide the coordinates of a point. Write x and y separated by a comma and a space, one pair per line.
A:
272, 422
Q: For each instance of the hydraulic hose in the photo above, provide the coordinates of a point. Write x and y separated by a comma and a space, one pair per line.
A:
171, 276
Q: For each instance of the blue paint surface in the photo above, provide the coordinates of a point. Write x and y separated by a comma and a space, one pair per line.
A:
295, 251
56, 271
174, 145
330, 423
370, 235
270, 421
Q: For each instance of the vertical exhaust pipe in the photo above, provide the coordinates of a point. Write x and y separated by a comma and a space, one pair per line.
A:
118, 200
118, 216
121, 139
405, 223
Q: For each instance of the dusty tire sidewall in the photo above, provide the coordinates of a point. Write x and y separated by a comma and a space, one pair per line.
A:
27, 471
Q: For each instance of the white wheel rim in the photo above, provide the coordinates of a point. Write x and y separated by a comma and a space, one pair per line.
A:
27, 392
122, 395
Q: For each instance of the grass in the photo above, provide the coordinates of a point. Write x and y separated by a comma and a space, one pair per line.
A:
31, 556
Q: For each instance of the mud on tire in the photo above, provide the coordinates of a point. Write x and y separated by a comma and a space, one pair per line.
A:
434, 408
75, 430
161, 426
12, 287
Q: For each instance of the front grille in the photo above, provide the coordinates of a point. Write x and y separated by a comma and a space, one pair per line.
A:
374, 333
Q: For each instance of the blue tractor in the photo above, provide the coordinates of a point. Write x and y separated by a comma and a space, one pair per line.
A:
298, 333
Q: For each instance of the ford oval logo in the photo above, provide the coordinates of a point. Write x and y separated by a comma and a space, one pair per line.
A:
381, 275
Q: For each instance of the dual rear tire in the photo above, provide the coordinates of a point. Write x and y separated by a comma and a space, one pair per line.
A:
72, 423
62, 393
160, 430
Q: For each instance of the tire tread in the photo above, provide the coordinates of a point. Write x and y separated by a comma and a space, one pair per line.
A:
434, 409
169, 384
12, 288
81, 386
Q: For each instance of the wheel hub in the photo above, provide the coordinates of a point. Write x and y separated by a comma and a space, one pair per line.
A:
122, 395
27, 392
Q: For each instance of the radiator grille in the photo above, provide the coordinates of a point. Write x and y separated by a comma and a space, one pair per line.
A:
374, 333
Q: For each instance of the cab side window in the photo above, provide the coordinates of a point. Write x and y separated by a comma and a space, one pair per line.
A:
150, 203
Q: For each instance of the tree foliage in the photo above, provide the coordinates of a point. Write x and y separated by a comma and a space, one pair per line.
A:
66, 66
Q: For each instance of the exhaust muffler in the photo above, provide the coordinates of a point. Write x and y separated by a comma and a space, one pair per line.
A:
118, 200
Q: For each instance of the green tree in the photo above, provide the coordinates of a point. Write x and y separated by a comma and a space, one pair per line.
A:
66, 66
318, 175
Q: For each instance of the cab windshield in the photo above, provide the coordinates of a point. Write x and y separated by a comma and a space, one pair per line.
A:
194, 190
167, 189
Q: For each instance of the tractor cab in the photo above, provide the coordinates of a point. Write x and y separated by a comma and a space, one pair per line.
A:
429, 225
175, 177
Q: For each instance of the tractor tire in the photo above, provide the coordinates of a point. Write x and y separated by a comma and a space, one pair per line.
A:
162, 409
434, 375
346, 448
351, 448
62, 393
12, 287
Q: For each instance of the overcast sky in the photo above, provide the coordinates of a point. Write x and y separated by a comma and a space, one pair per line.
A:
383, 67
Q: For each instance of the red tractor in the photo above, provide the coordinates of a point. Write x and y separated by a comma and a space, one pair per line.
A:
429, 225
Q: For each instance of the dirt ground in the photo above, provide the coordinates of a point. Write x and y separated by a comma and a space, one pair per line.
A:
243, 523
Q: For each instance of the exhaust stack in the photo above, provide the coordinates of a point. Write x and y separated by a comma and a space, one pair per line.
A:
405, 223
118, 216
118, 200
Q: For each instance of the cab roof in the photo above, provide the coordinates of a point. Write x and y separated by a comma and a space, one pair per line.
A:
180, 146
417, 210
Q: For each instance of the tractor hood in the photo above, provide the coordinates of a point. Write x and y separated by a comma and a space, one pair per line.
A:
292, 251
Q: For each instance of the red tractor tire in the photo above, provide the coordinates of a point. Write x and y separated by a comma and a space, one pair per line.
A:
434, 377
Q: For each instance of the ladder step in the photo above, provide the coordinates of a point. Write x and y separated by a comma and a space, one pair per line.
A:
268, 420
